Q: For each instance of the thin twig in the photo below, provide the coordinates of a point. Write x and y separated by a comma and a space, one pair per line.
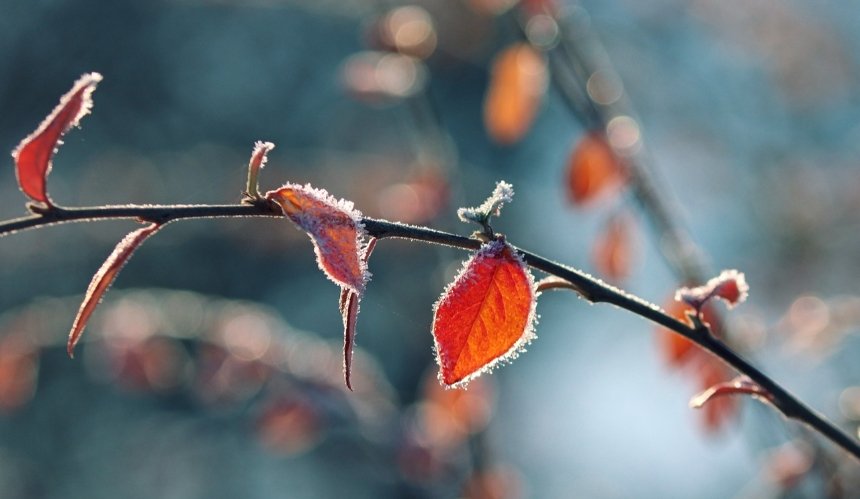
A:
591, 288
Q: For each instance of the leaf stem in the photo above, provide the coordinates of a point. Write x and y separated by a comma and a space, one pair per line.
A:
591, 288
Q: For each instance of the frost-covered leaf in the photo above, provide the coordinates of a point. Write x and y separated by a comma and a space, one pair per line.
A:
730, 286
593, 170
335, 228
104, 277
491, 207
256, 163
518, 80
350, 316
34, 154
348, 306
485, 316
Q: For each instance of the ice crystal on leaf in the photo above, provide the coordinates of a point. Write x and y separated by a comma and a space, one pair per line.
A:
338, 235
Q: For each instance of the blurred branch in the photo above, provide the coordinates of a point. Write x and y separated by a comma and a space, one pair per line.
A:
578, 56
588, 287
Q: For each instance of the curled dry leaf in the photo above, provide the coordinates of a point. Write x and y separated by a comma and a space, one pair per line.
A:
730, 286
612, 253
593, 170
486, 316
259, 156
348, 306
33, 155
518, 80
335, 228
104, 277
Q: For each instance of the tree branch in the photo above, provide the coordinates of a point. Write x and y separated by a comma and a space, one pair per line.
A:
589, 287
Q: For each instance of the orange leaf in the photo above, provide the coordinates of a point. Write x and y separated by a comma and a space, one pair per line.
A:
613, 250
485, 316
33, 155
678, 350
335, 228
517, 83
674, 347
104, 277
593, 170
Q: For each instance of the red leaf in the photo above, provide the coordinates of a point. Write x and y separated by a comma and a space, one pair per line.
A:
676, 349
335, 228
33, 155
613, 250
348, 306
104, 277
485, 316
593, 170
259, 156
517, 83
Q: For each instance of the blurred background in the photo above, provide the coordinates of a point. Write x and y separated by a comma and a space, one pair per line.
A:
212, 369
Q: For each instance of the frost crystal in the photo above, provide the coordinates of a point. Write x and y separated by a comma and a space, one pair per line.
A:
492, 206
